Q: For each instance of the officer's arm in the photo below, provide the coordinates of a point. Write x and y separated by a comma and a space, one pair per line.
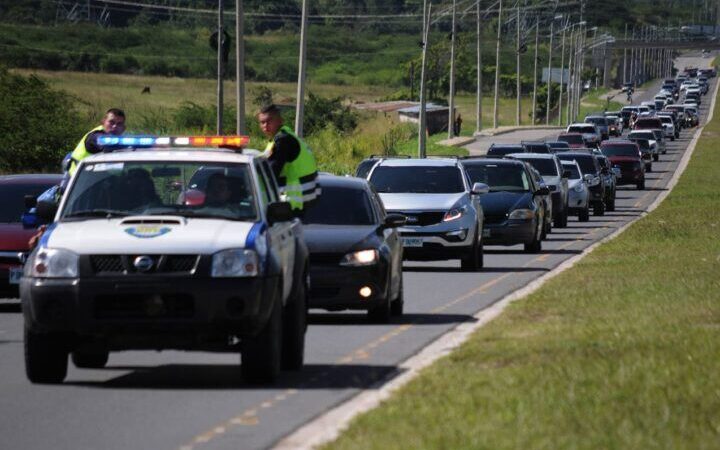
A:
286, 149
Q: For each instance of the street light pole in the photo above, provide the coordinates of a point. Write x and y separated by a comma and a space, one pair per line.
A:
625, 57
562, 76
537, 42
451, 113
549, 80
422, 125
517, 67
478, 120
220, 69
300, 105
497, 66
239, 67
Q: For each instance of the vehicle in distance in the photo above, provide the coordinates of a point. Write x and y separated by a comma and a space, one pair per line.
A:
355, 250
590, 168
536, 147
552, 173
651, 136
647, 148
610, 179
589, 131
578, 193
626, 155
514, 209
500, 150
557, 146
444, 216
602, 124
574, 140
138, 267
14, 236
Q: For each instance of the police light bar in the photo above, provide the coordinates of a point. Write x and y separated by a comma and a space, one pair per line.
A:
172, 141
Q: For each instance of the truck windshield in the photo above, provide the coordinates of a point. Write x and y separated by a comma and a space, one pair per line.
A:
417, 179
150, 188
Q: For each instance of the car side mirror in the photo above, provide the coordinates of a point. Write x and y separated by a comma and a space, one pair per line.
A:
566, 174
480, 188
394, 220
279, 212
46, 211
543, 191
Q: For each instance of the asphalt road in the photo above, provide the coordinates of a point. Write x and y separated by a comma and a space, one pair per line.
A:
149, 400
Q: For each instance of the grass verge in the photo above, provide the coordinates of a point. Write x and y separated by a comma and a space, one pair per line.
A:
621, 351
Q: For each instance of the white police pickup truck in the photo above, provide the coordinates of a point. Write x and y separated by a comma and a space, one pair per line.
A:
160, 248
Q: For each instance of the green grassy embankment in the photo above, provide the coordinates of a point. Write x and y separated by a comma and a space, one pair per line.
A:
620, 352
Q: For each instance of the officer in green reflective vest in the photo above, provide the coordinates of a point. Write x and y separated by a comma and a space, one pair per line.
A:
291, 160
113, 123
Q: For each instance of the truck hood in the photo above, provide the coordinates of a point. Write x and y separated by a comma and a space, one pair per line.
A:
420, 202
13, 237
174, 235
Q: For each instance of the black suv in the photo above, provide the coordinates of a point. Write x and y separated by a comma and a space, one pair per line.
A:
592, 174
500, 150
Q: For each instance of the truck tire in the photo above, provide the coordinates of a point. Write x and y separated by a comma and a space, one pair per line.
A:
261, 354
46, 357
90, 360
294, 326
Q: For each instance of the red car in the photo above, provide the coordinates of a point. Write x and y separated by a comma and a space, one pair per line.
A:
627, 156
14, 236
574, 140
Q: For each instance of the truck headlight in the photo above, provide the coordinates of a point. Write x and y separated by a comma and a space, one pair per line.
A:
522, 214
235, 263
360, 258
54, 263
453, 214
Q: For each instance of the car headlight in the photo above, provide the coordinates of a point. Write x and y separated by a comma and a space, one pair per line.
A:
360, 258
453, 214
594, 182
235, 263
578, 188
54, 263
522, 214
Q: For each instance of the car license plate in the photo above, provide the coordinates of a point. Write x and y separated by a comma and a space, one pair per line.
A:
15, 275
486, 232
412, 242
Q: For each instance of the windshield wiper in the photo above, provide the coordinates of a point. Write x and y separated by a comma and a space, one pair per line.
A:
98, 213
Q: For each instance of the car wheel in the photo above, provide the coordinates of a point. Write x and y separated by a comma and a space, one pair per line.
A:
535, 246
473, 261
90, 360
610, 206
584, 215
656, 157
261, 354
599, 208
294, 324
46, 357
641, 185
648, 167
561, 220
672, 138
398, 304
380, 313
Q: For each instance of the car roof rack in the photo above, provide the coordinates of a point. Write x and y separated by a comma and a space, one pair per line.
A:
389, 157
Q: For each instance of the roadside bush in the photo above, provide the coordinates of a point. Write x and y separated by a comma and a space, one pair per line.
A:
321, 112
38, 125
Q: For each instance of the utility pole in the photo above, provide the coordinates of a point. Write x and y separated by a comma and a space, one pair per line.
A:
240, 67
451, 113
300, 104
517, 67
625, 57
537, 41
422, 113
571, 69
220, 69
478, 120
632, 60
562, 76
497, 66
549, 80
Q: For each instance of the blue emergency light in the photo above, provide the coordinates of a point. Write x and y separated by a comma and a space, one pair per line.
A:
169, 141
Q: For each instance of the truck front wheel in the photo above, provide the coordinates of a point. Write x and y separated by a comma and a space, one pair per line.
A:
261, 353
46, 357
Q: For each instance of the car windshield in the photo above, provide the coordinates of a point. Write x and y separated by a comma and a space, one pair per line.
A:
586, 163
536, 148
188, 189
502, 151
545, 166
12, 199
596, 120
363, 169
580, 129
620, 150
417, 180
574, 172
572, 139
642, 134
340, 206
644, 144
500, 177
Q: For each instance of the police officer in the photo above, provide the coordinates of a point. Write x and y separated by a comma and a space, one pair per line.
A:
113, 122
291, 160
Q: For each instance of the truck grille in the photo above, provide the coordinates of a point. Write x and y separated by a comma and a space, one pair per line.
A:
134, 306
123, 264
423, 219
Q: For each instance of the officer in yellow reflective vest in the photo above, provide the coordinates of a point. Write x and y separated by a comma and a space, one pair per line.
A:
113, 123
291, 160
